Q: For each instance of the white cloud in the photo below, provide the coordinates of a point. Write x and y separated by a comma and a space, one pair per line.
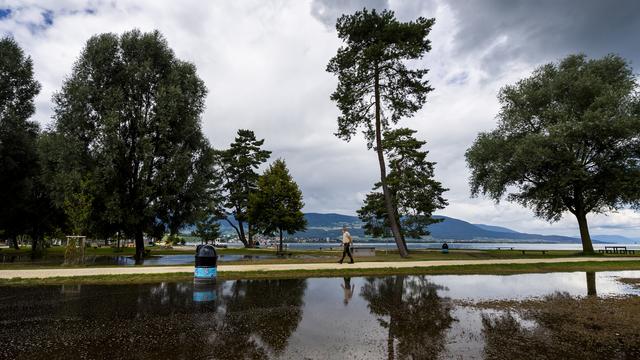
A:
264, 65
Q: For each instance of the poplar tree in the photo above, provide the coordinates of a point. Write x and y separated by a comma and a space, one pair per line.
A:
129, 114
19, 167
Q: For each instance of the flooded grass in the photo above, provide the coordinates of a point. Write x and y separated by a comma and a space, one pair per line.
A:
566, 328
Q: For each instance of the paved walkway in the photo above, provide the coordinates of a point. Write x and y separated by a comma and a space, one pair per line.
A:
62, 272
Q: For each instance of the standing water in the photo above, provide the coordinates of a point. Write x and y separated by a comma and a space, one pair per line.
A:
397, 317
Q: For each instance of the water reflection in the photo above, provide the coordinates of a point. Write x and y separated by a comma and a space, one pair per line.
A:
397, 317
415, 317
347, 288
591, 283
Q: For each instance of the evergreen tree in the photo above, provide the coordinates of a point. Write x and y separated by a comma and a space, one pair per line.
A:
416, 194
207, 229
129, 115
568, 139
238, 167
18, 142
375, 87
276, 205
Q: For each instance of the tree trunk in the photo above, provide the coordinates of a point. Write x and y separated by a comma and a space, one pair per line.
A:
281, 247
35, 252
15, 243
250, 233
139, 237
591, 283
397, 292
238, 231
388, 201
241, 234
587, 246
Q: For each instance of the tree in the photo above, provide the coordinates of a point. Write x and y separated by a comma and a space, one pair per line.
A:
18, 140
410, 182
193, 190
568, 139
415, 316
77, 207
375, 87
130, 114
238, 167
276, 205
207, 229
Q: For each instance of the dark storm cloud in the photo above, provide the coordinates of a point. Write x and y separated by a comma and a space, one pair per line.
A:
537, 31
328, 11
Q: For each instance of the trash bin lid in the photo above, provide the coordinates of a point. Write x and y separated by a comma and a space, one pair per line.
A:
205, 251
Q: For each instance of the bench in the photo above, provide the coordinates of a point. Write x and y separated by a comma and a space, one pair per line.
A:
616, 250
360, 251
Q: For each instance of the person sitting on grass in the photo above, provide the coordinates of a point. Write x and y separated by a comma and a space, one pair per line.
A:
346, 245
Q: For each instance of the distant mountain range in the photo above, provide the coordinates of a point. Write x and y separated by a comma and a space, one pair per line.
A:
322, 226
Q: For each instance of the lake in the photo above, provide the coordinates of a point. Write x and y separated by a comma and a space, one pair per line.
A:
462, 245
398, 317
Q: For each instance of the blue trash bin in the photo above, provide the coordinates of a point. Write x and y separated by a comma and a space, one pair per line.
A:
204, 292
206, 268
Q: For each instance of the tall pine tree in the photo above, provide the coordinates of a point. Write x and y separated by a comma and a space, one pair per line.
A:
238, 168
375, 87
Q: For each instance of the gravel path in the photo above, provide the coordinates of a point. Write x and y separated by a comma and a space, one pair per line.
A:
62, 272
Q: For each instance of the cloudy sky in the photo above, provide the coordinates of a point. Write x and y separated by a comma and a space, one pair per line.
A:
264, 65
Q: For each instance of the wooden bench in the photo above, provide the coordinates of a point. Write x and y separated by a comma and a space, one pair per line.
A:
616, 250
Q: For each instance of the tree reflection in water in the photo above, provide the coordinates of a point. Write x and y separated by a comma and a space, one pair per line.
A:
233, 320
413, 313
259, 317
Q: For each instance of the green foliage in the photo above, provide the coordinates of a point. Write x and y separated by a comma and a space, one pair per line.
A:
129, 115
376, 44
276, 205
19, 167
207, 229
416, 194
77, 207
568, 139
375, 87
238, 166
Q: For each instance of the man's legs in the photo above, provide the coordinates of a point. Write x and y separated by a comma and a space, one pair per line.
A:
347, 248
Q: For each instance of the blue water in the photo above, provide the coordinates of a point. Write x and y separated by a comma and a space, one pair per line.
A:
459, 245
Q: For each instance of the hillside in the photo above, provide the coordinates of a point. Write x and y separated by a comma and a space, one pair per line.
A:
322, 226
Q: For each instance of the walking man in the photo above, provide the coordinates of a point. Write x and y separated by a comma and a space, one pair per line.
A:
346, 244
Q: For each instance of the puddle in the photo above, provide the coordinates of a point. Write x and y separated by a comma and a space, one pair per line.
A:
397, 317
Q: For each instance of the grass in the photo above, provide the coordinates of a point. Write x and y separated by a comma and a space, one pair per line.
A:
491, 269
302, 256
